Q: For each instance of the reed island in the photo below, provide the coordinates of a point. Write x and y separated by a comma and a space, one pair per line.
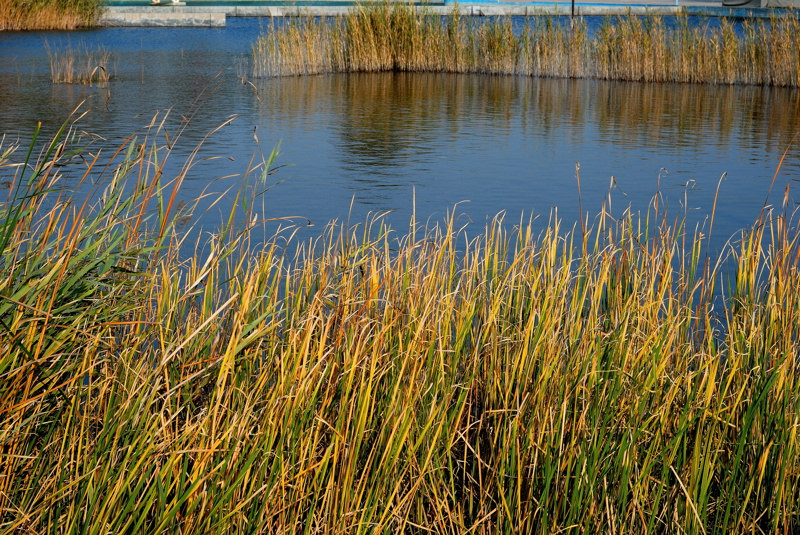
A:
397, 37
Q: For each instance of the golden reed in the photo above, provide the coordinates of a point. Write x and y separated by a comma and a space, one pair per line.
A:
398, 37
49, 14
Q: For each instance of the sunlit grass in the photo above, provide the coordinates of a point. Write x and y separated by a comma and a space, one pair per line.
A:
443, 378
49, 14
398, 37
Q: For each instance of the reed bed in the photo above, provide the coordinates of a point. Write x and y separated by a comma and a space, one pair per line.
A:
384, 37
49, 14
80, 65
440, 379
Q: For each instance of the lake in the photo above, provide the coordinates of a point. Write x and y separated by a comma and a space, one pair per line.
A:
396, 142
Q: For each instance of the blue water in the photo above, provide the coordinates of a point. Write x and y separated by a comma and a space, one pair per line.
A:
355, 144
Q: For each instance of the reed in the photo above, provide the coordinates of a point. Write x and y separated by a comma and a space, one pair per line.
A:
441, 379
79, 65
49, 14
400, 37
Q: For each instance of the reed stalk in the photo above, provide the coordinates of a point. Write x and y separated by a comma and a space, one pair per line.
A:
399, 37
440, 379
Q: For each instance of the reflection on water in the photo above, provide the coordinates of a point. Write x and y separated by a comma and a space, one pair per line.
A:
374, 141
385, 111
504, 138
384, 119
685, 115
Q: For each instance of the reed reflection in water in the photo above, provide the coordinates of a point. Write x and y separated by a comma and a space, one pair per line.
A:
511, 143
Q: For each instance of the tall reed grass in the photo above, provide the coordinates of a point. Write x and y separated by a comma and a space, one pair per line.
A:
79, 65
381, 37
49, 14
442, 379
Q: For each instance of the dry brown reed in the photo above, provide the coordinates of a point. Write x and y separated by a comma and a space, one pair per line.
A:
80, 65
398, 37
49, 14
766, 52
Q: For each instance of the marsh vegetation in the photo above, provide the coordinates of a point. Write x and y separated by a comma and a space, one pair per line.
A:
615, 377
49, 14
397, 37
80, 65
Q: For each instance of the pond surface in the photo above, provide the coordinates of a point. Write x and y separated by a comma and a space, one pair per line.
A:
355, 144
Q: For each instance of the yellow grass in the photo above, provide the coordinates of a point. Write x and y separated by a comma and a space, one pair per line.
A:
398, 37
440, 379
48, 14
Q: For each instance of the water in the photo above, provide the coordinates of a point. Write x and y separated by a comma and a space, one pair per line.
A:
362, 143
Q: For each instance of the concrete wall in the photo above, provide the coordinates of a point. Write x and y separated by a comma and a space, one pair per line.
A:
214, 16
208, 16
780, 3
163, 16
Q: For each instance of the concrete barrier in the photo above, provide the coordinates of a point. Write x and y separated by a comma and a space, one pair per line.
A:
170, 16
214, 16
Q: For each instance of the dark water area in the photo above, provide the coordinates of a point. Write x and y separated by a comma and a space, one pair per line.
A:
394, 142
